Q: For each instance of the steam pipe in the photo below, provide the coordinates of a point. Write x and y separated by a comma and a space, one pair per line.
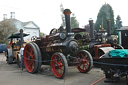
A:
21, 36
91, 30
67, 13
108, 27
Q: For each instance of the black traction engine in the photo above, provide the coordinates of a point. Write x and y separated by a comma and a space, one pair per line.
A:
59, 50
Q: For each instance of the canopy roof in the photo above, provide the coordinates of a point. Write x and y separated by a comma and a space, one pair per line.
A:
75, 30
17, 35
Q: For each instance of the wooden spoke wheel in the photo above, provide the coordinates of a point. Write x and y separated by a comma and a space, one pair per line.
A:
59, 65
85, 61
31, 58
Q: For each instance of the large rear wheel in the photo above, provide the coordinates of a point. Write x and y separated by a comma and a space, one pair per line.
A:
39, 56
59, 65
31, 58
86, 61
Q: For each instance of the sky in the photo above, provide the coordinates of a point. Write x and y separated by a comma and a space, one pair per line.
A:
46, 13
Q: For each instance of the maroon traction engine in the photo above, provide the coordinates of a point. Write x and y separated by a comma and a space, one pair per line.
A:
59, 50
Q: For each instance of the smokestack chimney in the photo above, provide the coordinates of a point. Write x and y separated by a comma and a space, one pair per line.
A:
12, 15
108, 27
4, 16
91, 29
67, 13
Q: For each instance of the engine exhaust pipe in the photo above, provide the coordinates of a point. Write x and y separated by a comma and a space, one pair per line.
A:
91, 30
67, 13
108, 27
21, 37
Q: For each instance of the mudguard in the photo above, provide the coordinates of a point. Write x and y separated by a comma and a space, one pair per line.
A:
106, 49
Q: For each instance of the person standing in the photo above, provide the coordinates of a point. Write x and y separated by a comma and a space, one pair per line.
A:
21, 54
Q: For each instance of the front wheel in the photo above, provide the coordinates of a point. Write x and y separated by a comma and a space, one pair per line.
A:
59, 65
85, 61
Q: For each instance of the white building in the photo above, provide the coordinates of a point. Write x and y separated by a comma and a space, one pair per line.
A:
28, 27
32, 29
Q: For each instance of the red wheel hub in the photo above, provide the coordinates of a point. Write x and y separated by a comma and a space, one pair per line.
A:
84, 61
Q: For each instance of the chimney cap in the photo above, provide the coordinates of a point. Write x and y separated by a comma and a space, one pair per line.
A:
67, 12
90, 19
12, 15
4, 16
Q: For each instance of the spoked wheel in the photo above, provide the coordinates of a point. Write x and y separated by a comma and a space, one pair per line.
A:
86, 61
59, 65
31, 58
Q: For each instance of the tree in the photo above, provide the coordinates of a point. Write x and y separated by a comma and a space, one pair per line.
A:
42, 34
62, 16
6, 28
118, 24
105, 12
74, 23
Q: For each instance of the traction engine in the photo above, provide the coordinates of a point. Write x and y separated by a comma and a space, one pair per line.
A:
59, 50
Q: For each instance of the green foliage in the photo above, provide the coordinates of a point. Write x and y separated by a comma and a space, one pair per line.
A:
41, 34
106, 12
74, 23
62, 16
118, 24
6, 28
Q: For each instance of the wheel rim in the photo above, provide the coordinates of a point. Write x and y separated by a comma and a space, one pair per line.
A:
57, 66
84, 60
29, 58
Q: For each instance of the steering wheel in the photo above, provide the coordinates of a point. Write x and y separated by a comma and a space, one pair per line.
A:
53, 31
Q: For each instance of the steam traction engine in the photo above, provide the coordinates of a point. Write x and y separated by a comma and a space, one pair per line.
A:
60, 50
96, 47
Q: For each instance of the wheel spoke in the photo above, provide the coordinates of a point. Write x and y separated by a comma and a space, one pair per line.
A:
86, 57
55, 60
31, 50
84, 67
87, 63
30, 64
82, 55
60, 60
27, 52
33, 56
61, 69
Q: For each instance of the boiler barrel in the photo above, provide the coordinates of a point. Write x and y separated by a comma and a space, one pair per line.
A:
3, 47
